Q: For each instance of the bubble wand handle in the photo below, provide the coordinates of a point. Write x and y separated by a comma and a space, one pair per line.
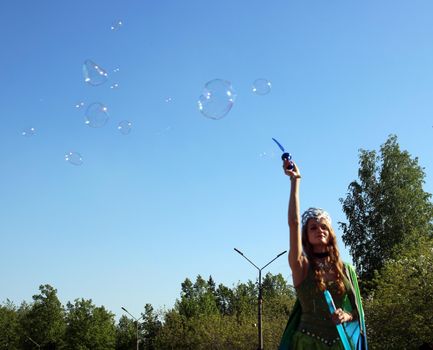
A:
340, 328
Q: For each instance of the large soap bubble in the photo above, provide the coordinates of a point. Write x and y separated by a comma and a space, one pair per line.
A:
217, 99
93, 73
96, 115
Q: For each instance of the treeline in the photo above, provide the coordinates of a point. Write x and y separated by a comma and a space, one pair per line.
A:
205, 316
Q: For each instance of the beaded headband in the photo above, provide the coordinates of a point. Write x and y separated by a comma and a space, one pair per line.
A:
315, 213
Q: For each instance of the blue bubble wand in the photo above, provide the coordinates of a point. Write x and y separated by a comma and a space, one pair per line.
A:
285, 155
340, 328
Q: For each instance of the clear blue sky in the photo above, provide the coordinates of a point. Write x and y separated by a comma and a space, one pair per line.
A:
174, 197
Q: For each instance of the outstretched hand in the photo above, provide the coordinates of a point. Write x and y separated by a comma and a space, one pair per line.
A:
294, 172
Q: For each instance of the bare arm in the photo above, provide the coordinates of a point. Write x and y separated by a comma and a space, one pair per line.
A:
297, 261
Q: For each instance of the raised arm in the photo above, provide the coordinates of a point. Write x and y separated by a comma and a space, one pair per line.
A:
297, 261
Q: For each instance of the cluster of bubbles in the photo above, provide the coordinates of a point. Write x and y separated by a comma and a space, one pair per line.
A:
215, 102
96, 114
218, 96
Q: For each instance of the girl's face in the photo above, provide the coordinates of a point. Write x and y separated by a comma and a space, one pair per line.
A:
318, 232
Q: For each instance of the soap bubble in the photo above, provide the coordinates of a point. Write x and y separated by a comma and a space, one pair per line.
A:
114, 86
124, 127
217, 99
116, 25
93, 73
74, 158
168, 99
261, 86
116, 70
28, 132
96, 115
79, 105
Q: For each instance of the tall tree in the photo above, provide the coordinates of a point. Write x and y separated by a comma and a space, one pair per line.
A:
9, 326
385, 208
151, 327
197, 298
89, 327
44, 320
125, 334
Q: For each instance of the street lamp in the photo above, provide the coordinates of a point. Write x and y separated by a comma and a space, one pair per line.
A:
34, 342
260, 299
136, 321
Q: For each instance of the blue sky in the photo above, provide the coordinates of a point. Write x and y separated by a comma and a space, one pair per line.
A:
174, 197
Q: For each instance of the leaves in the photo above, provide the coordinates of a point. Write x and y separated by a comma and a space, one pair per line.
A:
385, 208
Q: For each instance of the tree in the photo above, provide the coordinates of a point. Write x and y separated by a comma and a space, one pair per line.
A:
197, 298
206, 317
399, 313
9, 326
89, 327
43, 320
385, 208
125, 334
151, 327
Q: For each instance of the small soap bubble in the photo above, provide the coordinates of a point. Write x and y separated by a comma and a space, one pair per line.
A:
28, 132
79, 105
217, 99
93, 73
168, 99
116, 25
164, 131
266, 155
114, 86
124, 127
96, 115
74, 158
262, 86
116, 70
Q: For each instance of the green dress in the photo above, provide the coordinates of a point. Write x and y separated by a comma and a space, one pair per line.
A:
314, 329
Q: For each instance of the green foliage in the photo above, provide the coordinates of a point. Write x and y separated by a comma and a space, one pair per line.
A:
89, 327
385, 208
9, 326
151, 327
43, 321
206, 317
125, 334
399, 313
196, 299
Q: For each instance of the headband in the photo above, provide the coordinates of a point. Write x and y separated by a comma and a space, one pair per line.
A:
315, 213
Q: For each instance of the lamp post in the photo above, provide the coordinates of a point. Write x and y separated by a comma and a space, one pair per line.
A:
34, 342
136, 321
260, 299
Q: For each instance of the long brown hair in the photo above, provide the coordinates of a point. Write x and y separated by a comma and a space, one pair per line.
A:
334, 257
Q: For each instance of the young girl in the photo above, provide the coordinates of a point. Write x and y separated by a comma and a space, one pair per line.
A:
316, 266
